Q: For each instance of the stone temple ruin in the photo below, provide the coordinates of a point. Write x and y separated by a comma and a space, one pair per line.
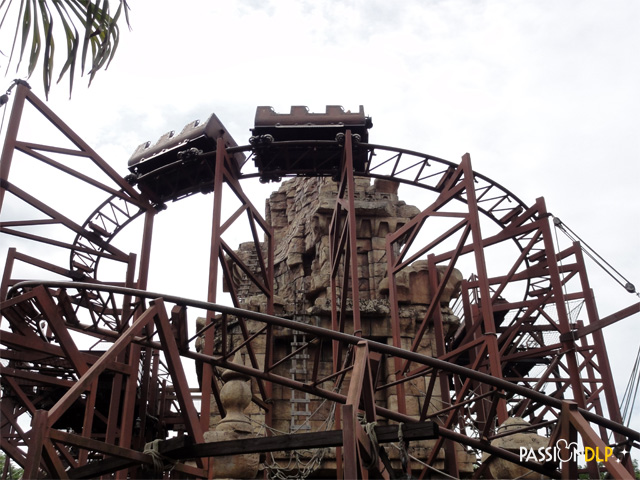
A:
300, 212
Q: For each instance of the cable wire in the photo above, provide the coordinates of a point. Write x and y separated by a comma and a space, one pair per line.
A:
631, 392
593, 255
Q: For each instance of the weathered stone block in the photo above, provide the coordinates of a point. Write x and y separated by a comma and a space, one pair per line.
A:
294, 259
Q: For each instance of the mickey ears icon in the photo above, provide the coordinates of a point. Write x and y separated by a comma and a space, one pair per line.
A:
571, 447
566, 444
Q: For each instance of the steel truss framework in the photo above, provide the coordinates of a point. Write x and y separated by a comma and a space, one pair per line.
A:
93, 408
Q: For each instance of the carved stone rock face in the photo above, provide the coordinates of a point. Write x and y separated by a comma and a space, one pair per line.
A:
413, 284
300, 213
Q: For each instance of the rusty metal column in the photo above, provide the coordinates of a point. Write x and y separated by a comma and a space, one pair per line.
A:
343, 246
131, 387
395, 324
6, 275
145, 254
133, 352
34, 453
491, 336
570, 435
598, 342
599, 346
451, 458
353, 242
214, 252
11, 136
591, 439
569, 344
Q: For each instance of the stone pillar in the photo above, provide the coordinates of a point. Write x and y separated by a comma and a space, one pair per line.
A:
236, 397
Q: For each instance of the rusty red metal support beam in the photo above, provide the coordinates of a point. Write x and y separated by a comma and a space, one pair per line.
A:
606, 321
383, 348
225, 175
99, 366
360, 453
593, 440
343, 251
347, 339
13, 125
481, 372
344, 264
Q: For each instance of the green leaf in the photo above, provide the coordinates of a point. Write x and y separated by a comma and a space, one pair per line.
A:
49, 49
36, 44
85, 22
15, 36
26, 28
72, 44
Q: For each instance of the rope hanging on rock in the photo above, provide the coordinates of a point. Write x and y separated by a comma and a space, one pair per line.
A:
160, 462
404, 455
369, 429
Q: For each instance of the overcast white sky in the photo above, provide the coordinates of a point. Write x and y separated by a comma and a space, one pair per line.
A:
543, 95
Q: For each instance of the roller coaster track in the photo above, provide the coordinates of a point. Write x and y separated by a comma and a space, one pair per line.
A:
32, 291
106, 311
106, 221
23, 288
388, 163
404, 166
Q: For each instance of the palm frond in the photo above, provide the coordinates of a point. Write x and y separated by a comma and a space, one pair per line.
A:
49, 45
26, 28
71, 34
89, 23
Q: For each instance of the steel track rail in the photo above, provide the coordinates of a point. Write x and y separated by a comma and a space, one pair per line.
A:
390, 350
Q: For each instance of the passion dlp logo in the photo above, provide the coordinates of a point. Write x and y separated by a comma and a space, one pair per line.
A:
567, 453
